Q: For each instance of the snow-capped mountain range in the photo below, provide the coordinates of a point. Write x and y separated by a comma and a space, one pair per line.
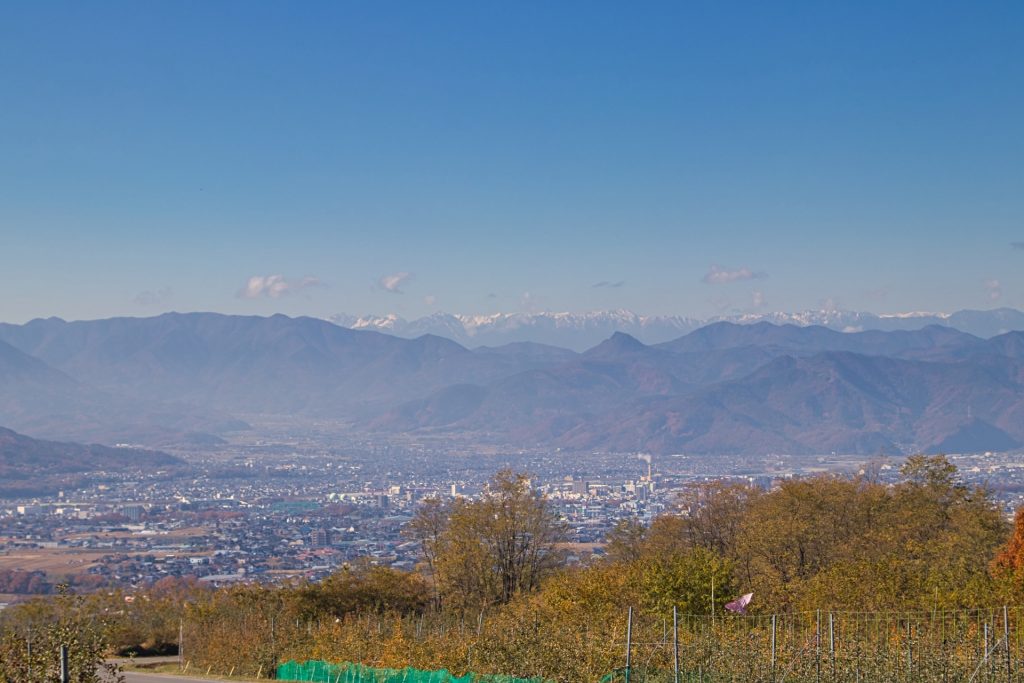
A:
579, 331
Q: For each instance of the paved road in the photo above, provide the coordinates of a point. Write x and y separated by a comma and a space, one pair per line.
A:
136, 677
147, 677
142, 677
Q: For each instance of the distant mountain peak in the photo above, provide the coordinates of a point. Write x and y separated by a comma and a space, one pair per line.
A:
583, 330
617, 344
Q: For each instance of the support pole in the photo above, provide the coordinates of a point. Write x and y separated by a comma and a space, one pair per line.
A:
773, 645
910, 650
712, 603
832, 644
273, 646
675, 640
629, 640
1006, 642
817, 646
65, 674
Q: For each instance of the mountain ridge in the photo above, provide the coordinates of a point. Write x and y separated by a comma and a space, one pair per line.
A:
30, 466
580, 331
724, 388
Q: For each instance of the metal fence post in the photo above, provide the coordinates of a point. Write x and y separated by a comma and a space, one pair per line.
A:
65, 675
1006, 642
629, 639
910, 650
273, 643
675, 641
832, 644
817, 646
773, 645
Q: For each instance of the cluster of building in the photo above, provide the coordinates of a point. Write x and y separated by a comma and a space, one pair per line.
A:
274, 514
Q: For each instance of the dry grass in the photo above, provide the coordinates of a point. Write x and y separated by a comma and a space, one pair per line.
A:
61, 562
173, 535
53, 561
173, 669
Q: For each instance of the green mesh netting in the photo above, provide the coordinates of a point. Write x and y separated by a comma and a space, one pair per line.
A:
324, 672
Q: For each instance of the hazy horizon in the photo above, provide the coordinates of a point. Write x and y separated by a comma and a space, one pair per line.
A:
343, 317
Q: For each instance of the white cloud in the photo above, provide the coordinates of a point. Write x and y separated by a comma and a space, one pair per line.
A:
721, 304
758, 300
879, 293
720, 276
393, 282
994, 289
530, 302
829, 304
153, 297
430, 299
275, 286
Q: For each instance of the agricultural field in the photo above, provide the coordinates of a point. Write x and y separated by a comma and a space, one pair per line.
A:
55, 562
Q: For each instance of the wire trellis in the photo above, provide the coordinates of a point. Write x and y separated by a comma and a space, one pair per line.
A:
927, 646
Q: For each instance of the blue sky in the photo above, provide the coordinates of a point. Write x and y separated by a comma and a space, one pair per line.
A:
373, 157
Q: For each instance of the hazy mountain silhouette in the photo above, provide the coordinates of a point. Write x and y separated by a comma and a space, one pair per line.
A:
38, 399
32, 467
834, 401
930, 341
724, 388
252, 364
735, 396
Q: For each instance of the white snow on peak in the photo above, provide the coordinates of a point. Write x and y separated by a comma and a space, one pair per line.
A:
585, 329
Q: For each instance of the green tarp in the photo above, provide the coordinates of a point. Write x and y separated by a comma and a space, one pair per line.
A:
347, 672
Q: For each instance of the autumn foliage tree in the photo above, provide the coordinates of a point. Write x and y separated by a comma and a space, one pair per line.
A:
1011, 557
836, 542
31, 640
1008, 564
363, 588
486, 551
